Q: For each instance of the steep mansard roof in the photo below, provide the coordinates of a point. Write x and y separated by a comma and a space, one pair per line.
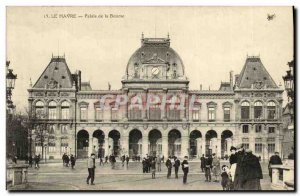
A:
56, 75
254, 73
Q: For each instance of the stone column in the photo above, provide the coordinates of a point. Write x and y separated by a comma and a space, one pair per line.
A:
125, 145
145, 145
184, 146
203, 146
106, 144
199, 147
165, 147
229, 144
219, 146
90, 149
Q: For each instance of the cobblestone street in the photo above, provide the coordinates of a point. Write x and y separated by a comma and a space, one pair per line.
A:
53, 176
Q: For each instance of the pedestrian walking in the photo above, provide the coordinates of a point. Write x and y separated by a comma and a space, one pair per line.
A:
113, 161
91, 169
123, 160
67, 161
185, 169
274, 160
101, 161
30, 159
158, 162
64, 159
216, 170
73, 160
106, 159
208, 166
163, 159
225, 182
202, 163
144, 165
153, 168
169, 167
36, 161
176, 166
127, 161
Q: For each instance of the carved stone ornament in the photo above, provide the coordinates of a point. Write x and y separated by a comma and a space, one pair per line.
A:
184, 126
52, 84
165, 126
125, 126
145, 126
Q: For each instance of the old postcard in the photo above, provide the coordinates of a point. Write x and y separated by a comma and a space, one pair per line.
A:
150, 98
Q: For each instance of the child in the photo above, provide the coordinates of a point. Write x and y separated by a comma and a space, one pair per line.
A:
153, 168
225, 178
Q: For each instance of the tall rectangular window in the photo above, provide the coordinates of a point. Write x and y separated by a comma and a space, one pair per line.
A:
211, 114
271, 147
245, 110
65, 113
271, 130
64, 129
114, 114
155, 112
98, 114
258, 147
258, 128
135, 113
83, 114
245, 142
245, 128
195, 114
173, 113
226, 114
52, 113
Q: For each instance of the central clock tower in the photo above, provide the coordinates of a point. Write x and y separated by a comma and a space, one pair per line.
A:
155, 65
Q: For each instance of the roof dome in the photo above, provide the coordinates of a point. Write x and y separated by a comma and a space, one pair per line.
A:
155, 52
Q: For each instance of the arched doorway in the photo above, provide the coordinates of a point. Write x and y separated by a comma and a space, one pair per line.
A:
135, 143
114, 144
195, 145
99, 144
155, 147
210, 142
174, 143
226, 143
82, 144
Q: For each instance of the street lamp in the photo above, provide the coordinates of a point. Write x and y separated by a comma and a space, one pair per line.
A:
289, 80
10, 85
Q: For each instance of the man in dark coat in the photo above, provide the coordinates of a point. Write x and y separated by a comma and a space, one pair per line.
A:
72, 161
91, 169
202, 161
252, 172
127, 160
169, 166
208, 166
176, 166
239, 172
274, 160
185, 169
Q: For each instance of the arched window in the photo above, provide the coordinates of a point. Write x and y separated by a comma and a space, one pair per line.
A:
258, 110
65, 110
39, 109
52, 110
271, 110
245, 110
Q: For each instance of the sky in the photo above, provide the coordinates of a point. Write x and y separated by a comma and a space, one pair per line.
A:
211, 41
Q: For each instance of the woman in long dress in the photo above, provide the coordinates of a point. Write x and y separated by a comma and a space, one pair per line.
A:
216, 167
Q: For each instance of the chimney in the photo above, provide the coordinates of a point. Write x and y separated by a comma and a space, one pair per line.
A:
236, 79
231, 78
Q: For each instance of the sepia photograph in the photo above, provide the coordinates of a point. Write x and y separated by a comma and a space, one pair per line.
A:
150, 98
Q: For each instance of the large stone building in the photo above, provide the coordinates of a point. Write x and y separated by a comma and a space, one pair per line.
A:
154, 112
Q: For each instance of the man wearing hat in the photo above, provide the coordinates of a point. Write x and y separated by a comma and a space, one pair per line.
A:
91, 169
185, 169
169, 166
239, 172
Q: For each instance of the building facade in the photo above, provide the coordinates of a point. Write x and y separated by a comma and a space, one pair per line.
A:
154, 112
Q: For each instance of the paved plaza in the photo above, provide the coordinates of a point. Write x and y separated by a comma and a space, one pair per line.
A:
54, 176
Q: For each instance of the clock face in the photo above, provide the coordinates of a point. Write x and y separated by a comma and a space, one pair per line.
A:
155, 71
